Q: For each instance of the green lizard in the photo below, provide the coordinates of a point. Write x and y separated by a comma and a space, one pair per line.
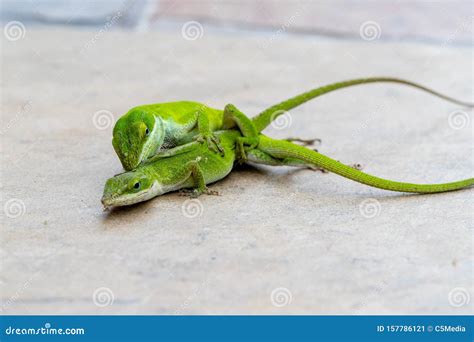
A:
192, 165
195, 165
145, 130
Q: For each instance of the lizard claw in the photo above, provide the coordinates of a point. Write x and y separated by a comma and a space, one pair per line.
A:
213, 142
212, 192
194, 193
242, 154
242, 150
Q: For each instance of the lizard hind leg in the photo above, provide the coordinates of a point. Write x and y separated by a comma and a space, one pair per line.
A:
244, 144
305, 142
259, 157
234, 117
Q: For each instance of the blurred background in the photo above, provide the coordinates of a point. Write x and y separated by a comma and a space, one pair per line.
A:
442, 22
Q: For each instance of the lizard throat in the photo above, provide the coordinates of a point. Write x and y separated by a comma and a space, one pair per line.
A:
154, 141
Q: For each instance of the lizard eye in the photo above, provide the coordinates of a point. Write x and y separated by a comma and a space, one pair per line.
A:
147, 131
136, 185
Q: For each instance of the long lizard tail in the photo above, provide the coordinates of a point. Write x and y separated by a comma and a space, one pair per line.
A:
262, 120
283, 149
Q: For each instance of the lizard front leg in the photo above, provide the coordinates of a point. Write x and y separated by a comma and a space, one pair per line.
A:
195, 173
206, 134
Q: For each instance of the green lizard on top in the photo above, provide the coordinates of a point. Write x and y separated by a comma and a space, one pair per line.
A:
145, 130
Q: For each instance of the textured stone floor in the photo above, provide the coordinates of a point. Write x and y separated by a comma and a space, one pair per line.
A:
278, 241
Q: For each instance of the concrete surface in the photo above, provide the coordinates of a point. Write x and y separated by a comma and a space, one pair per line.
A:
278, 241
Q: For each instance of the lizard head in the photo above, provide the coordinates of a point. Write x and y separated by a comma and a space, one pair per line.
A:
137, 136
130, 188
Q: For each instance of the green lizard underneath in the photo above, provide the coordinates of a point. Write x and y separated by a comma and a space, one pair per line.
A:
195, 165
145, 130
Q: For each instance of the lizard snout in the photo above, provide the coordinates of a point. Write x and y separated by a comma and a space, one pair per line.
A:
106, 202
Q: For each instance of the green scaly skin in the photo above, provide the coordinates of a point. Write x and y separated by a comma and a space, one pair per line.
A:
145, 130
279, 152
194, 165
